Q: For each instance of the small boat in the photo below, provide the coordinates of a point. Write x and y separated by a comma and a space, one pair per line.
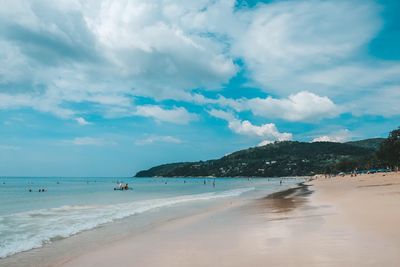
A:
122, 186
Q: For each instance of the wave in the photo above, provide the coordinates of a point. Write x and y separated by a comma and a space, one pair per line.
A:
28, 230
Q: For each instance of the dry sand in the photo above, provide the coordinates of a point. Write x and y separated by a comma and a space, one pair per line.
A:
343, 221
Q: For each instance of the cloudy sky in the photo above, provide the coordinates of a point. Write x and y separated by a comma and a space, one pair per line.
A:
106, 88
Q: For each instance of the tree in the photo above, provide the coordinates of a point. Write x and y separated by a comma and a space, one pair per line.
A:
389, 152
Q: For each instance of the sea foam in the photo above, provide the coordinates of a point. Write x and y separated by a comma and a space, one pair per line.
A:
27, 230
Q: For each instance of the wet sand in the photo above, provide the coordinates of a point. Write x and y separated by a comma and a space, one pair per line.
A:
343, 221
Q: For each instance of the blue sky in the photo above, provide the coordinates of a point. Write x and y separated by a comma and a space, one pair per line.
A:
106, 88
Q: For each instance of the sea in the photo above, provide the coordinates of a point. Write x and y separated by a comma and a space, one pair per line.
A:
35, 211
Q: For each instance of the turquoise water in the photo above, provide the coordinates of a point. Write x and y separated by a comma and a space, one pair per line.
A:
29, 218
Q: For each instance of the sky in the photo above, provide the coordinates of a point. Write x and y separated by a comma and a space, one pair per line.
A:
107, 88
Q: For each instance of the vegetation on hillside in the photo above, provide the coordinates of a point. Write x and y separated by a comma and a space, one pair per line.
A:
292, 158
389, 152
372, 143
277, 159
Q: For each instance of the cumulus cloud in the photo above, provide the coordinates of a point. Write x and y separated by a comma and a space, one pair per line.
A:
178, 115
297, 107
268, 131
302, 106
150, 44
105, 53
158, 139
102, 51
328, 58
339, 137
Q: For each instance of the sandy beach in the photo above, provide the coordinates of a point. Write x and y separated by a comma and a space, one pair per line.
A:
341, 221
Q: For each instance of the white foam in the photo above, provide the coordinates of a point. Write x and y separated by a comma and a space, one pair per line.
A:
27, 230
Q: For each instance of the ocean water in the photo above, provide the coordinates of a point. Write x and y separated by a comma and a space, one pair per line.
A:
71, 205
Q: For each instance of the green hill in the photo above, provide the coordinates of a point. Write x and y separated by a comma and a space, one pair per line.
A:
372, 143
278, 159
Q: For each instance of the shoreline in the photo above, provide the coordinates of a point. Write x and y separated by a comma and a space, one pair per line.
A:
231, 177
153, 217
192, 226
279, 230
340, 221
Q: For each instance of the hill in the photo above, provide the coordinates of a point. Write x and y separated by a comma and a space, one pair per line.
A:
287, 158
372, 143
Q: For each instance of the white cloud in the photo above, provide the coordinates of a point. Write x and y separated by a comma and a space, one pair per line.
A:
265, 142
178, 115
289, 39
324, 138
221, 114
355, 75
268, 131
152, 48
383, 101
301, 106
158, 139
104, 53
82, 121
88, 141
39, 103
292, 46
297, 107
339, 137
318, 46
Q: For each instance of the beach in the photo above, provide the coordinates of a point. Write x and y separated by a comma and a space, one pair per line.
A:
340, 221
206, 133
